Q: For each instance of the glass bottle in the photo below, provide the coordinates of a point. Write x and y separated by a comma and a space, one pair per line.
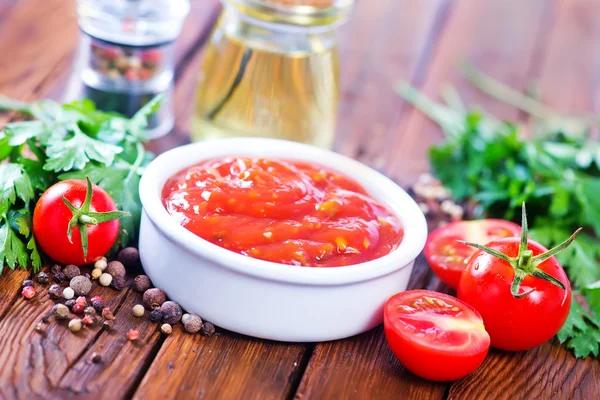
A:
126, 55
271, 70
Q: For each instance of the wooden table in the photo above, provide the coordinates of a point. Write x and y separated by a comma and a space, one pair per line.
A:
556, 42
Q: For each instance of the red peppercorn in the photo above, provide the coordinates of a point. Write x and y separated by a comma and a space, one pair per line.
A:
89, 320
78, 308
133, 335
95, 299
107, 314
28, 292
81, 300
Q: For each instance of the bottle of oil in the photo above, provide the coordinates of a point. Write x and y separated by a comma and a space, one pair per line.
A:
271, 70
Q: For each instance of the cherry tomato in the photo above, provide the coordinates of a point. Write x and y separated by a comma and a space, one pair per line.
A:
448, 258
436, 336
515, 323
51, 222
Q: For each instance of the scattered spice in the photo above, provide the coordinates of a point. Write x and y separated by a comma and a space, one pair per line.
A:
138, 310
107, 314
96, 358
116, 269
78, 308
193, 324
101, 264
46, 318
118, 283
81, 285
89, 320
96, 273
40, 327
98, 305
154, 298
185, 318
26, 283
108, 325
55, 292
43, 278
90, 311
133, 335
75, 325
96, 298
55, 269
71, 271
156, 315
28, 292
81, 300
60, 311
105, 279
208, 329
68, 293
70, 304
141, 283
60, 277
166, 329
129, 257
171, 312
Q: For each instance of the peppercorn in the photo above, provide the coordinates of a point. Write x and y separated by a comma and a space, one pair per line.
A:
90, 311
133, 335
208, 329
81, 300
108, 325
105, 279
115, 268
96, 272
166, 329
78, 308
89, 320
118, 283
81, 285
71, 271
96, 298
98, 305
75, 325
60, 277
68, 293
56, 269
70, 304
96, 358
156, 315
141, 283
138, 310
129, 257
171, 312
40, 328
26, 283
185, 318
154, 298
28, 292
107, 314
193, 324
43, 278
46, 318
101, 264
55, 292
60, 311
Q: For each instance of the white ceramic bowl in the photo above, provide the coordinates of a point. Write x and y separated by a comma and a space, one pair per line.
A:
265, 299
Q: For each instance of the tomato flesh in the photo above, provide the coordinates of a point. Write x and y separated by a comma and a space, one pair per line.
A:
448, 258
515, 323
434, 335
51, 220
282, 211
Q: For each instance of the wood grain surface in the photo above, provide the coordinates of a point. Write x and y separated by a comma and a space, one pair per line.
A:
553, 43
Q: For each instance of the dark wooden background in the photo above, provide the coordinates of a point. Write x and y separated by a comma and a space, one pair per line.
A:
555, 42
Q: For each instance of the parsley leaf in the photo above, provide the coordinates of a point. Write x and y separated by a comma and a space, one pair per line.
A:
12, 249
15, 184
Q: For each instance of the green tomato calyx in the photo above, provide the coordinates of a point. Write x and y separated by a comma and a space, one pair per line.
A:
525, 263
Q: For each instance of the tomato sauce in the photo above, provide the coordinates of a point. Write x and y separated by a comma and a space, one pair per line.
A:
282, 211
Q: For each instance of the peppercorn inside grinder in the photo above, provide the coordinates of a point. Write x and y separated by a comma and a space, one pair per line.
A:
126, 55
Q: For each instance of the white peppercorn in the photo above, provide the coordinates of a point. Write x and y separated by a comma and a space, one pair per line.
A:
101, 264
75, 325
68, 293
166, 329
105, 279
96, 272
138, 310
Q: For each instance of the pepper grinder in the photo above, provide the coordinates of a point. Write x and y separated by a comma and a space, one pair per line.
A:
126, 55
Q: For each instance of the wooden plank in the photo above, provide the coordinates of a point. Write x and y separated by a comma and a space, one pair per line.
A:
10, 287
500, 37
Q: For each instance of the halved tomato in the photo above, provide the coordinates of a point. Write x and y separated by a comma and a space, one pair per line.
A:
448, 258
436, 336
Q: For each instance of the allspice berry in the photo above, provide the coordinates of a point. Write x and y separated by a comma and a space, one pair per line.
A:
55, 292
193, 324
208, 329
105, 279
156, 315
166, 329
81, 285
141, 283
43, 278
60, 311
118, 283
138, 310
154, 298
115, 268
129, 257
171, 312
71, 271
75, 325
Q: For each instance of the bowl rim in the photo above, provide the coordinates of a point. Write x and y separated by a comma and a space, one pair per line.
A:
168, 163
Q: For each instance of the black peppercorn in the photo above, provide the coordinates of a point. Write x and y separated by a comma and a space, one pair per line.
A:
142, 283
208, 329
156, 315
43, 278
171, 312
129, 257
98, 305
154, 298
115, 268
56, 269
118, 283
60, 277
27, 282
71, 271
55, 292
96, 358
70, 304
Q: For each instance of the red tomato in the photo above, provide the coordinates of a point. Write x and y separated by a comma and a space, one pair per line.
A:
448, 258
51, 220
151, 56
515, 323
436, 336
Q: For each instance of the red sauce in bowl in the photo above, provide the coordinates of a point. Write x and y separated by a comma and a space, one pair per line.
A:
287, 212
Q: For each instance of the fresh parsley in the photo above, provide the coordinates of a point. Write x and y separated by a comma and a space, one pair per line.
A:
556, 172
68, 141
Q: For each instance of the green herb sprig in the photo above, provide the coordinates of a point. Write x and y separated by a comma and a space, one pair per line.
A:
68, 141
556, 171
